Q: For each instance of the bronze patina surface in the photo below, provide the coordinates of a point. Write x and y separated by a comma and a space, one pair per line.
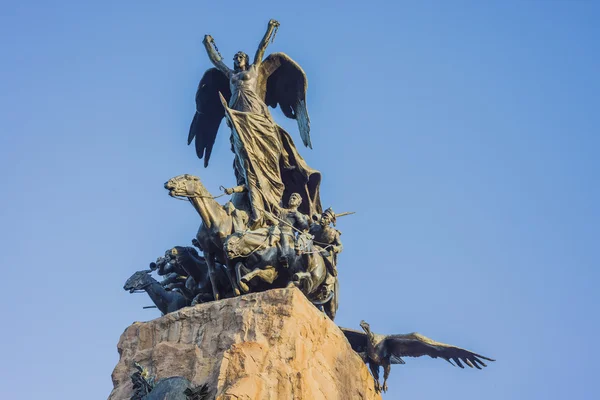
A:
273, 231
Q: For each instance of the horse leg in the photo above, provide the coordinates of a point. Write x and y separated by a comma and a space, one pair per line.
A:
285, 250
267, 274
332, 306
210, 262
232, 276
250, 275
310, 276
303, 281
317, 271
244, 280
238, 272
197, 299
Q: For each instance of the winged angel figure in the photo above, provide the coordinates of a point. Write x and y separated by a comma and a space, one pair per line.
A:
267, 165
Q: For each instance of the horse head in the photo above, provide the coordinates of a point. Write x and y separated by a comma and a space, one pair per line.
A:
185, 258
138, 281
232, 246
187, 186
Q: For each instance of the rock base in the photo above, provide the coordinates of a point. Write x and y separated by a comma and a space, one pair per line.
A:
269, 345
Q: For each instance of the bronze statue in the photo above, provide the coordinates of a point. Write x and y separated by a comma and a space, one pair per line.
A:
166, 300
172, 388
142, 382
266, 162
249, 253
384, 350
290, 222
273, 232
217, 224
187, 280
328, 238
254, 239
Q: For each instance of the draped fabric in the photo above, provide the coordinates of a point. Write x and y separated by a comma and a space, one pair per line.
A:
258, 149
269, 165
266, 160
299, 177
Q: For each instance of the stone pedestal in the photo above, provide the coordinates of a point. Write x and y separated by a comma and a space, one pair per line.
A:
270, 345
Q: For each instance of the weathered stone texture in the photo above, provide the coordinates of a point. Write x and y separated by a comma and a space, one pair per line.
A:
270, 345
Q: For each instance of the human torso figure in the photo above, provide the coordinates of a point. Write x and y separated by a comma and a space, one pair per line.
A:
295, 219
327, 238
291, 222
243, 85
324, 235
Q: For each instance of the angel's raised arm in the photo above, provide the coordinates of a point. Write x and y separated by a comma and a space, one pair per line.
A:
214, 55
262, 47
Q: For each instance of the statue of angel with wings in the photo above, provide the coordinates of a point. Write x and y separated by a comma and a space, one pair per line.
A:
267, 165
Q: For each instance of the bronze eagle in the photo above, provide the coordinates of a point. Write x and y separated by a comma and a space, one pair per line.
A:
384, 350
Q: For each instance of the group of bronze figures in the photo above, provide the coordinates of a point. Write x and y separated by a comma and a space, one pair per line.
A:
273, 232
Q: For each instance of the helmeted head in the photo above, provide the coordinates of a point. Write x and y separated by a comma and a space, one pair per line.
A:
240, 61
328, 217
366, 327
295, 200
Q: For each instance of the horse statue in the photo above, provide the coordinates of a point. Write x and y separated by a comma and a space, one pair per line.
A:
217, 224
174, 276
195, 268
224, 238
165, 300
255, 255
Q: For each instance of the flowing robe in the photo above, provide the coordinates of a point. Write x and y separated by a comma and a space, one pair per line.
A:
266, 160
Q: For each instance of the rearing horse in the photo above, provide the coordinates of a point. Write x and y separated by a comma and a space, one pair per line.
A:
255, 257
216, 225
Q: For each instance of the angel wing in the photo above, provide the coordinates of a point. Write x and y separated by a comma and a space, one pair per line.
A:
283, 82
209, 112
416, 345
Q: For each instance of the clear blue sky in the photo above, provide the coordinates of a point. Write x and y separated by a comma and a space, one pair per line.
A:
464, 133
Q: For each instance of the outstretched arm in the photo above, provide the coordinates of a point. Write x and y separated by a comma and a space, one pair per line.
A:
236, 189
214, 56
262, 47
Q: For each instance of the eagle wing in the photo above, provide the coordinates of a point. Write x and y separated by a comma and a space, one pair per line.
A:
209, 112
283, 82
416, 345
357, 339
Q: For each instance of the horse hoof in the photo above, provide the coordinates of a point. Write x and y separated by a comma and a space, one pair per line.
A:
244, 287
236, 292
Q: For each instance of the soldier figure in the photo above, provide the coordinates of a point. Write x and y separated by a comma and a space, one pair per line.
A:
291, 219
328, 238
